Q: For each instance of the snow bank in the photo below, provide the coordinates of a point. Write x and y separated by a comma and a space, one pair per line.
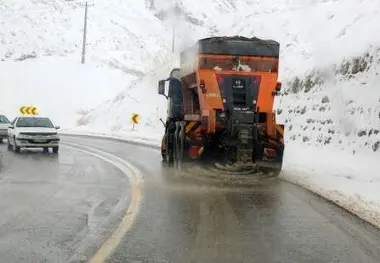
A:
332, 119
350, 181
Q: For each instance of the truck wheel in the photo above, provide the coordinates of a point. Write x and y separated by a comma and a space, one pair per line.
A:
164, 144
177, 153
179, 146
181, 142
175, 157
169, 157
55, 149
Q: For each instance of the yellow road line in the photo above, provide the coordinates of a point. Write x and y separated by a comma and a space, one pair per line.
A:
135, 180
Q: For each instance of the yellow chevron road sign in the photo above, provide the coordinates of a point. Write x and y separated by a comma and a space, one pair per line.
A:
135, 118
28, 110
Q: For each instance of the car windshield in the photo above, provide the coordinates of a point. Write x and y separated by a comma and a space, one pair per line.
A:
34, 122
3, 119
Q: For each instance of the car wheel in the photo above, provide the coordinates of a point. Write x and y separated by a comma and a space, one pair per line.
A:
55, 149
9, 145
16, 148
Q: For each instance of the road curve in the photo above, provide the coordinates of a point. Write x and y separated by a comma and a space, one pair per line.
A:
186, 220
58, 208
65, 208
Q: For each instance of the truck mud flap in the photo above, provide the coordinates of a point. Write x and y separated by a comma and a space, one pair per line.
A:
269, 158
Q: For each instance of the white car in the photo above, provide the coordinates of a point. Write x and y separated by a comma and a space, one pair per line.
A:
33, 132
4, 124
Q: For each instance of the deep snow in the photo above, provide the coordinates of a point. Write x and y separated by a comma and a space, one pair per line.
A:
332, 116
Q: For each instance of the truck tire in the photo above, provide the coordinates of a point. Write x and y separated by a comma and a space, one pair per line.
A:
175, 150
169, 157
179, 140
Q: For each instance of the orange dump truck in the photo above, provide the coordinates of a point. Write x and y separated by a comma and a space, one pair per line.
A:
221, 103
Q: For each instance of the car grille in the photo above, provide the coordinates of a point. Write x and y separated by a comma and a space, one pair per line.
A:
38, 134
45, 141
3, 131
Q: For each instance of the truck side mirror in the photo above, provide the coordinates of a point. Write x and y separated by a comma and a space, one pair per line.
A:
161, 88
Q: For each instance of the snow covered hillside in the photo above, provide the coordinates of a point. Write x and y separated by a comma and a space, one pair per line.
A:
332, 119
313, 34
59, 86
121, 34
40, 53
336, 106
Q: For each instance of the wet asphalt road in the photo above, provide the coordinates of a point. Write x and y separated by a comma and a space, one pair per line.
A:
61, 209
57, 208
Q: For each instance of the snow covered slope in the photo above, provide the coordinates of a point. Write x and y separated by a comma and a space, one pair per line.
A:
133, 37
60, 87
40, 53
122, 34
332, 121
336, 106
313, 35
